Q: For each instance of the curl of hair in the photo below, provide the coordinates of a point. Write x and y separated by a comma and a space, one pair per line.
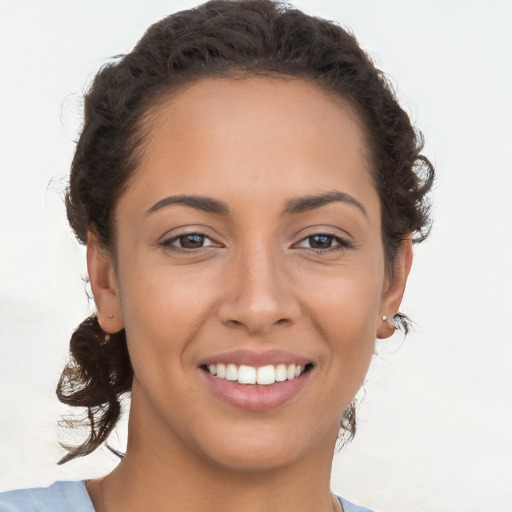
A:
231, 38
98, 373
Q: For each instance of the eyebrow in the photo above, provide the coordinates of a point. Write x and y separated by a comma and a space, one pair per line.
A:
292, 207
304, 204
205, 204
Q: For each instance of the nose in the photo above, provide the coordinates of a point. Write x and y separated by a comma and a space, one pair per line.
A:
261, 294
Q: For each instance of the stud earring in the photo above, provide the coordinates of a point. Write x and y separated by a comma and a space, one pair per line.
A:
391, 322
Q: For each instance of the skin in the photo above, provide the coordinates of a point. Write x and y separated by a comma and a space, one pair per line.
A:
258, 282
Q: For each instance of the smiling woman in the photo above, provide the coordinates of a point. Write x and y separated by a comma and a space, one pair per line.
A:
248, 189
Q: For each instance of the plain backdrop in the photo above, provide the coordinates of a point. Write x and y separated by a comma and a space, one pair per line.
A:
435, 423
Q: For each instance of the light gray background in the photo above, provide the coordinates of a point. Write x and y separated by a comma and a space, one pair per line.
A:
435, 426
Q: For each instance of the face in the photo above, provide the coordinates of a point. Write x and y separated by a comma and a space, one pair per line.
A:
249, 273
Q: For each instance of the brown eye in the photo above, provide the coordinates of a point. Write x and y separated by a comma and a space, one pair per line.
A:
188, 242
320, 241
324, 242
192, 241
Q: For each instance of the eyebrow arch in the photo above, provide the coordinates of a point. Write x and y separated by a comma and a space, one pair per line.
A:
205, 204
304, 204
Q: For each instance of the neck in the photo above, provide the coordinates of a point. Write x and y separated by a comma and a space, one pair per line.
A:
161, 473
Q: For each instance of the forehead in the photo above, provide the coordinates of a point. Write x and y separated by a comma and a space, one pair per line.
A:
251, 104
254, 134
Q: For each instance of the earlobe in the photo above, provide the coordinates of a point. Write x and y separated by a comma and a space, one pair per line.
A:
394, 291
104, 286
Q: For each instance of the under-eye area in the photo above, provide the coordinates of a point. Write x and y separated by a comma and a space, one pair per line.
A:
257, 375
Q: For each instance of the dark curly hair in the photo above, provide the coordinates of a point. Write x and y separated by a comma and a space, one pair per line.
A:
228, 38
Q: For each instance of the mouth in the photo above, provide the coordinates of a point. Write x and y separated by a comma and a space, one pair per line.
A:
256, 381
257, 375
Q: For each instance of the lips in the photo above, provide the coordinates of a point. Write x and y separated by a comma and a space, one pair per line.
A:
256, 381
253, 358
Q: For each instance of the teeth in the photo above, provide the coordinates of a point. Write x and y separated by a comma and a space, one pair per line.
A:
221, 370
264, 375
246, 375
231, 372
280, 372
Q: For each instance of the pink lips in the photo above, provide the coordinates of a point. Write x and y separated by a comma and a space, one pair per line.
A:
254, 397
251, 358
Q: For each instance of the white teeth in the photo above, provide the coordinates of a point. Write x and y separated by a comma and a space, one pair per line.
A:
231, 372
221, 370
266, 375
263, 375
246, 375
280, 372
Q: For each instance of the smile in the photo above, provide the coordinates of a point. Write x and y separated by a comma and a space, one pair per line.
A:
263, 375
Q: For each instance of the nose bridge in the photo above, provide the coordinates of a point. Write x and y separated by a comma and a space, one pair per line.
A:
259, 278
260, 296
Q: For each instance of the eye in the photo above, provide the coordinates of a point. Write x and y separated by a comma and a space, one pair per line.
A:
324, 242
188, 242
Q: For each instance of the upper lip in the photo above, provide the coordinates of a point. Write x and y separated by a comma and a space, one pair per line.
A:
253, 358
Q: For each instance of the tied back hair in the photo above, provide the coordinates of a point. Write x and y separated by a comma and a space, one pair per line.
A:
98, 373
236, 39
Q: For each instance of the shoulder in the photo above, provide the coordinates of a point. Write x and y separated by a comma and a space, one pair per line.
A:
59, 497
350, 507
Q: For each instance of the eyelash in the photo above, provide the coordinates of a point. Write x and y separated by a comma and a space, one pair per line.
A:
342, 243
167, 244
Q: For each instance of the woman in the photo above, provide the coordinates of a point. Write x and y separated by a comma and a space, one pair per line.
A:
249, 190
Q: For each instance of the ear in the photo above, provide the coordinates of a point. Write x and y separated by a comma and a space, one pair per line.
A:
394, 288
104, 286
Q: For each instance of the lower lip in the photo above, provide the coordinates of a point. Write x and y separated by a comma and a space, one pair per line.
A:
253, 397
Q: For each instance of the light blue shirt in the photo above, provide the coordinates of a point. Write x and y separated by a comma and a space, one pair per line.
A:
73, 497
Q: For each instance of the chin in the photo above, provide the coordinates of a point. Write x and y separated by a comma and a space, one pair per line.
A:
243, 458
262, 448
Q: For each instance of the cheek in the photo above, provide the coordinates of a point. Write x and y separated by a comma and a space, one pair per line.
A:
162, 311
348, 299
345, 311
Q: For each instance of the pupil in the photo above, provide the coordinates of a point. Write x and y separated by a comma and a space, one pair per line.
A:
191, 241
320, 241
